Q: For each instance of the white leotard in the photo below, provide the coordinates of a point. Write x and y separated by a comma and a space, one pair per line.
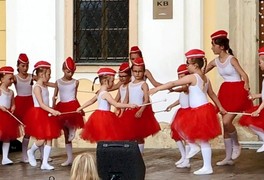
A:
23, 87
5, 98
67, 90
227, 70
102, 103
44, 94
136, 93
198, 93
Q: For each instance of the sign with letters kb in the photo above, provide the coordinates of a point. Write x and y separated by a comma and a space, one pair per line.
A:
162, 9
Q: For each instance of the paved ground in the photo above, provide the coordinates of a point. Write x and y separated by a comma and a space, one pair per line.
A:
159, 166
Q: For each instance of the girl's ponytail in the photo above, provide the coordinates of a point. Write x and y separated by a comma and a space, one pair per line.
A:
93, 83
32, 79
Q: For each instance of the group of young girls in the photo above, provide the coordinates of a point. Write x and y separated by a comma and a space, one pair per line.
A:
193, 125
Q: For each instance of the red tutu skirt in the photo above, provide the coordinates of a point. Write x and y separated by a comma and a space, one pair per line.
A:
40, 125
9, 127
247, 120
233, 97
200, 123
180, 114
23, 104
74, 120
101, 126
139, 128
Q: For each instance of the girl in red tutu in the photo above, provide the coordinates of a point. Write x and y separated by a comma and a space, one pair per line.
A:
183, 101
40, 124
67, 89
141, 120
256, 121
233, 93
134, 53
9, 126
203, 124
23, 100
103, 125
124, 77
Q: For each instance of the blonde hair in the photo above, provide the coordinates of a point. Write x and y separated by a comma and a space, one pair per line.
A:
84, 168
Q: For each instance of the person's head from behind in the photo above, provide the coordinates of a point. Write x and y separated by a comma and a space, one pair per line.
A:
134, 53
84, 168
106, 77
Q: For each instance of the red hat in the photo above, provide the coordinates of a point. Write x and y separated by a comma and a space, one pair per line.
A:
220, 33
6, 70
134, 49
42, 64
195, 53
261, 51
138, 62
124, 67
182, 69
23, 58
70, 64
106, 71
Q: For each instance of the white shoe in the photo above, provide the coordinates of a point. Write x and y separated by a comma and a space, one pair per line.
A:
193, 152
46, 167
66, 163
31, 158
185, 164
7, 162
225, 162
203, 171
71, 134
180, 161
261, 149
24, 160
236, 152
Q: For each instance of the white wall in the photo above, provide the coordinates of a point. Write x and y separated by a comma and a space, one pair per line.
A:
32, 29
164, 42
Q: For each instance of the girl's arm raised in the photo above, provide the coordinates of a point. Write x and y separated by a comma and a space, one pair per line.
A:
115, 86
210, 66
189, 79
88, 103
151, 78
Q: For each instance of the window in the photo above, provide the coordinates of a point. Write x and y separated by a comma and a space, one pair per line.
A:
100, 31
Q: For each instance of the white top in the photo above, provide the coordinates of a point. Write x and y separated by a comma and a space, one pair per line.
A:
102, 103
227, 70
184, 100
67, 90
23, 86
262, 90
5, 98
44, 94
122, 91
198, 93
136, 93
